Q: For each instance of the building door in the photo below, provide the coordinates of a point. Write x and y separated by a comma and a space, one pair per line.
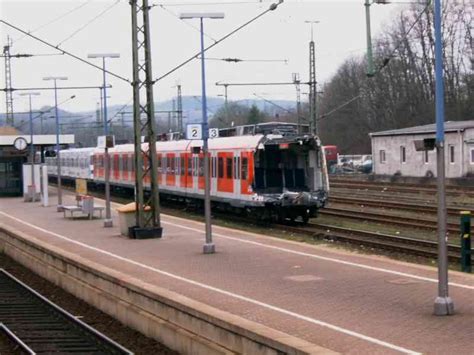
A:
11, 177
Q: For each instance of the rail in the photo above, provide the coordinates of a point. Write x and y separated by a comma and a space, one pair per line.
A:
43, 326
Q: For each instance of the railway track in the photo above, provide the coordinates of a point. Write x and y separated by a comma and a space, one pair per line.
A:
427, 224
415, 207
400, 187
405, 245
43, 327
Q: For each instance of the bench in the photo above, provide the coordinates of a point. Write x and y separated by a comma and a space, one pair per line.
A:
85, 205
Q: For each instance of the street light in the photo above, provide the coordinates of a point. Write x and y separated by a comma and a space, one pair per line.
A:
209, 247
32, 186
108, 217
58, 160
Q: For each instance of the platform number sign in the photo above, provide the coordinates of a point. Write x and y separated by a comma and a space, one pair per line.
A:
213, 132
194, 131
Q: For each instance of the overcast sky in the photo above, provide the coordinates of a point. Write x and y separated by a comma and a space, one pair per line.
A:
279, 35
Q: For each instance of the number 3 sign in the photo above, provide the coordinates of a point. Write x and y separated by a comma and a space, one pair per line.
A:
194, 131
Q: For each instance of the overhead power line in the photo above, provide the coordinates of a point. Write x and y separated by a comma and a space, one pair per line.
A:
238, 60
185, 22
53, 20
272, 7
107, 9
64, 51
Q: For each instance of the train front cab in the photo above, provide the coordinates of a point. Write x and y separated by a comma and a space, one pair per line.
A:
290, 177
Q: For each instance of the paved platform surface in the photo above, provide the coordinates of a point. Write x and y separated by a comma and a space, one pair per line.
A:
343, 301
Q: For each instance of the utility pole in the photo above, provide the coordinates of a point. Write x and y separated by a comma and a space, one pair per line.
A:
444, 304
8, 84
180, 110
173, 116
296, 80
146, 167
312, 84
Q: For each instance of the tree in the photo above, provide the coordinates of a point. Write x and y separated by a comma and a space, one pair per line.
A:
255, 115
401, 94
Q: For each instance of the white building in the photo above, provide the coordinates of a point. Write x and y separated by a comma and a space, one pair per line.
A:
394, 151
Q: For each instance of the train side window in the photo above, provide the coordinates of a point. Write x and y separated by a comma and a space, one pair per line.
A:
182, 166
245, 164
201, 166
177, 166
221, 168
229, 168
190, 166
124, 162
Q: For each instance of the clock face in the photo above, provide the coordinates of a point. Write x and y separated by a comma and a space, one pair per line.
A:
20, 143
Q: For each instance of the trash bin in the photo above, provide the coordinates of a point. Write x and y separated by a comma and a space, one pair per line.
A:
127, 217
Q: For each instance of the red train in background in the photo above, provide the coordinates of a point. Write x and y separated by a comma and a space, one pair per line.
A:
331, 154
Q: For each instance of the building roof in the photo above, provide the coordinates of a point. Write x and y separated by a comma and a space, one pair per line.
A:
449, 126
38, 139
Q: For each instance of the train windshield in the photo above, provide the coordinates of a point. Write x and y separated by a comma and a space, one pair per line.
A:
281, 167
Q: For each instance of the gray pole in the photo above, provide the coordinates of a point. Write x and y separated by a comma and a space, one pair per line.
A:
370, 58
32, 156
209, 247
443, 303
108, 218
58, 154
226, 105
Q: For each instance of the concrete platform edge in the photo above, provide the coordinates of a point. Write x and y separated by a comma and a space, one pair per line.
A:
185, 325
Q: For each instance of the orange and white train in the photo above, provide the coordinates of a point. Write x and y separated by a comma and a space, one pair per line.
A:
271, 176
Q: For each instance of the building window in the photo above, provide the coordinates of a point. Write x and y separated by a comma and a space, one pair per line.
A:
403, 154
472, 155
451, 154
382, 156
426, 156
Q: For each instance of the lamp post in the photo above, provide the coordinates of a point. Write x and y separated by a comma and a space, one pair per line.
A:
209, 247
443, 303
58, 155
32, 186
108, 217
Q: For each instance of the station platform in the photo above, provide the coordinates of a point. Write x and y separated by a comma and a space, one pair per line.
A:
256, 294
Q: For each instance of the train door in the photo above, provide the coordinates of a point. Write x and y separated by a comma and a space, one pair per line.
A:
170, 177
147, 179
213, 173
236, 169
246, 172
118, 166
201, 181
183, 171
159, 172
225, 181
125, 168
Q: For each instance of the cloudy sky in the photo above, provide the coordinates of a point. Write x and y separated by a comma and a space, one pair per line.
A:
103, 26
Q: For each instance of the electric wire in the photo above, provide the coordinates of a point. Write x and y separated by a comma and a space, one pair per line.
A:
185, 22
272, 7
107, 9
53, 20
64, 51
387, 59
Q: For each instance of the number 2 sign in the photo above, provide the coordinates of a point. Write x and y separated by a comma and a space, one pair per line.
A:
194, 131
